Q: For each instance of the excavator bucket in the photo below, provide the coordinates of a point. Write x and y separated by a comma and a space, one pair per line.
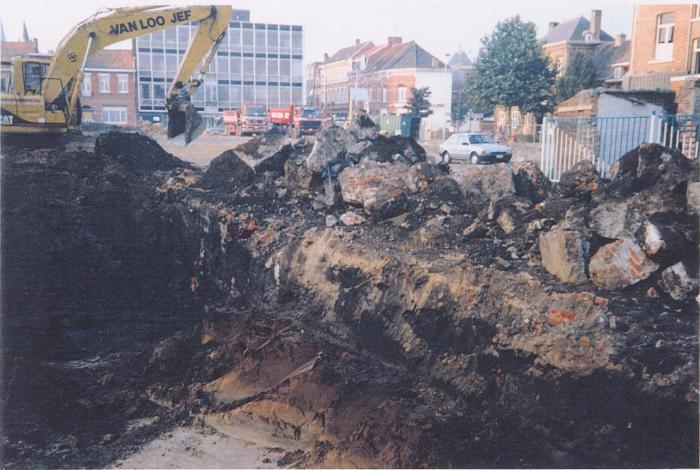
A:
187, 122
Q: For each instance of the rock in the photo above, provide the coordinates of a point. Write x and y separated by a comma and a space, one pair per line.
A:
564, 254
227, 173
618, 218
580, 181
676, 282
693, 198
419, 176
298, 175
331, 220
649, 165
330, 146
620, 264
266, 152
506, 220
361, 127
492, 181
657, 239
394, 148
530, 182
351, 218
476, 230
380, 187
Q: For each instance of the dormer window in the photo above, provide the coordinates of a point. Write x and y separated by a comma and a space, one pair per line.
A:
588, 36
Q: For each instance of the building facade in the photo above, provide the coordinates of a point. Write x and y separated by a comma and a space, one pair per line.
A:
256, 63
666, 50
379, 79
108, 91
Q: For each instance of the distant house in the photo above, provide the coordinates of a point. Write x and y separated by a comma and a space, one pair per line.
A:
379, 79
108, 91
511, 124
563, 40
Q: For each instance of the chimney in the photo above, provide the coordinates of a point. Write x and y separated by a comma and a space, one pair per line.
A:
552, 25
357, 42
393, 40
325, 57
595, 23
619, 39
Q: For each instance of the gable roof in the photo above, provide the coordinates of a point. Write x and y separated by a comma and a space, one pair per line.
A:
347, 52
400, 56
111, 59
459, 59
572, 30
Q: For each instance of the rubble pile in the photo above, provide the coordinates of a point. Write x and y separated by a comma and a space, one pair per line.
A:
364, 306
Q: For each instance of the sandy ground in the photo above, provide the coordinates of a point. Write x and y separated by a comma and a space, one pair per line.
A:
203, 149
201, 448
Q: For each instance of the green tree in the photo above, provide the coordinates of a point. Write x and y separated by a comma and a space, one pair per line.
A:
511, 70
580, 74
419, 107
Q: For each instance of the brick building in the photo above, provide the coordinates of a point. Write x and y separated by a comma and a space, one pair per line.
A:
666, 52
379, 79
108, 92
563, 40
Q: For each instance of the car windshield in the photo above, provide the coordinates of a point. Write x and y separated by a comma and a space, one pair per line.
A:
256, 111
309, 113
480, 139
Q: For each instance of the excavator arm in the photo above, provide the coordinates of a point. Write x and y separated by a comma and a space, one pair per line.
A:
109, 26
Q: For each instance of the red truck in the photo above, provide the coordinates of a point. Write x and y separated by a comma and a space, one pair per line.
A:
248, 119
299, 120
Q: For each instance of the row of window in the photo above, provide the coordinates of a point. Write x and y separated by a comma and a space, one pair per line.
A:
114, 115
224, 67
103, 83
236, 39
225, 95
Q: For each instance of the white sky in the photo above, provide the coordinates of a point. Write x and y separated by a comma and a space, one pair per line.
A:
440, 26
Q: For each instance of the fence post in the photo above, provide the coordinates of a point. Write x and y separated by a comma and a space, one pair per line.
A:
653, 135
543, 144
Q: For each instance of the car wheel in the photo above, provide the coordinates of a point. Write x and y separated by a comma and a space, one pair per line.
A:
474, 158
446, 157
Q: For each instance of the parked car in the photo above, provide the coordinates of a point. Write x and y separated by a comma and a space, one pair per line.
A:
475, 148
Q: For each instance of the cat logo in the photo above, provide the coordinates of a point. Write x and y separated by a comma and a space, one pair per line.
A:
8, 119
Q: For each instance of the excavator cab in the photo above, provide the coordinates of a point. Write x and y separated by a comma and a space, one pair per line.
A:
22, 104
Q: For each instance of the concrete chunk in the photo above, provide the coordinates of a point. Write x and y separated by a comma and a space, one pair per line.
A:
676, 282
564, 254
620, 264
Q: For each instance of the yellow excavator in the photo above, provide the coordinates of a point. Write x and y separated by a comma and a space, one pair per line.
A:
43, 94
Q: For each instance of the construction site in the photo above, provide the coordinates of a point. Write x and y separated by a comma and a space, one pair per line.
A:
343, 299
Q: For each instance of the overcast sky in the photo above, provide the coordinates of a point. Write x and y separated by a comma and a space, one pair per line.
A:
440, 26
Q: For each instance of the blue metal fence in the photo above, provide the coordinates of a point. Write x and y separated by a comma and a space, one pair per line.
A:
603, 140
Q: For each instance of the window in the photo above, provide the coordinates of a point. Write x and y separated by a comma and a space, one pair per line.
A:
619, 71
86, 86
401, 94
696, 12
514, 118
696, 56
104, 82
123, 83
158, 94
247, 40
272, 40
260, 41
665, 24
560, 63
114, 115
588, 36
146, 94
33, 75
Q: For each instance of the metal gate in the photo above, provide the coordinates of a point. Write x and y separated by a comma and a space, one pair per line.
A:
603, 140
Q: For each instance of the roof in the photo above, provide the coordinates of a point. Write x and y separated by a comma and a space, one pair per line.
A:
459, 59
400, 56
9, 49
348, 52
605, 56
586, 97
111, 59
572, 30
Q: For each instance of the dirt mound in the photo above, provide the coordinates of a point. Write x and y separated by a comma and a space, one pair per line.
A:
479, 318
137, 153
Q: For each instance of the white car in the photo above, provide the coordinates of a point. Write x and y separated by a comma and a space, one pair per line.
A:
475, 148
